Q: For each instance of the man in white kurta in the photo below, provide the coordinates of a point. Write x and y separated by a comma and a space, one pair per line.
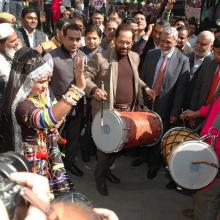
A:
8, 46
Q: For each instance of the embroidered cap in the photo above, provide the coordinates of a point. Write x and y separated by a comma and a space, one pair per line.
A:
5, 30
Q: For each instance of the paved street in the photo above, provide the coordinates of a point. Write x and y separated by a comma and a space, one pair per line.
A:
136, 197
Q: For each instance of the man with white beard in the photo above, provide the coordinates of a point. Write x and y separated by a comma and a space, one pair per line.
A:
9, 44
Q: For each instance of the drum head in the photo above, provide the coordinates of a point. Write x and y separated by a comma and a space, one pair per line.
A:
187, 174
111, 136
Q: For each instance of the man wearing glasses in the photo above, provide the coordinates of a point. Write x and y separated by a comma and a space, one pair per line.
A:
117, 68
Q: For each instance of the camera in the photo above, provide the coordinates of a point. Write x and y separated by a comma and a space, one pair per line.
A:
10, 191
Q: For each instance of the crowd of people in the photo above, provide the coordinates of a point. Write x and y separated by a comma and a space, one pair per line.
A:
55, 78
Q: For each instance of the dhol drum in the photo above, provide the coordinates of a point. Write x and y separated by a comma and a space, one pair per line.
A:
174, 137
193, 164
126, 129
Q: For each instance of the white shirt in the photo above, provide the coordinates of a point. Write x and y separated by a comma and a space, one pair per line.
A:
5, 68
169, 55
197, 64
31, 38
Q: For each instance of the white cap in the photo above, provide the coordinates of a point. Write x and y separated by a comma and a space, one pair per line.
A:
5, 30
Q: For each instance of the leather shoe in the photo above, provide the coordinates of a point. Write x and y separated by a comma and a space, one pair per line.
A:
152, 173
171, 185
102, 188
85, 157
188, 213
137, 162
112, 178
74, 170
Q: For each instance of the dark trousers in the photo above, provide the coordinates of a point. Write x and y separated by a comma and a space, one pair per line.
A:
72, 133
206, 202
104, 162
153, 155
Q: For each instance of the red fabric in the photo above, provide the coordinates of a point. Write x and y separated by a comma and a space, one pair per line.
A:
56, 9
159, 80
211, 116
213, 88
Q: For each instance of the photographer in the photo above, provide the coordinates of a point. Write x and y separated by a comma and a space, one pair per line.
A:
62, 210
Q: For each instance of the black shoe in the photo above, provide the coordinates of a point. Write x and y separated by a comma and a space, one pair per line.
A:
85, 157
102, 188
112, 178
137, 162
171, 185
74, 170
152, 173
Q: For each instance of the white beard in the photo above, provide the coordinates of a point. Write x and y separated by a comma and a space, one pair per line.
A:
204, 54
10, 52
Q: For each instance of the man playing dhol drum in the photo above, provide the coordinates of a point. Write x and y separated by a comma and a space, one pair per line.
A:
118, 69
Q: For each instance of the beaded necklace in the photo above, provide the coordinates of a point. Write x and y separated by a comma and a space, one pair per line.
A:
40, 102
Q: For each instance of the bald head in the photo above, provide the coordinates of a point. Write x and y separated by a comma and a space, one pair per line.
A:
77, 211
204, 43
208, 35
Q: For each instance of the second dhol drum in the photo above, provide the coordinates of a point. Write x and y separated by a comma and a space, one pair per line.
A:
192, 163
126, 129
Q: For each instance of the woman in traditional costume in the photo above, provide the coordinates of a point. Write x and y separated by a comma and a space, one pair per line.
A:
35, 116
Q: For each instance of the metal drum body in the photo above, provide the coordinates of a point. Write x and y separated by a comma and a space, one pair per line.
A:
185, 172
125, 129
174, 137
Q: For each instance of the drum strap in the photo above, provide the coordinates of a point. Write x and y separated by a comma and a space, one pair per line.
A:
214, 131
111, 95
216, 123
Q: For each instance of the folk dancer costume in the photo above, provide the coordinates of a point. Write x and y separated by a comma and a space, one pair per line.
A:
34, 124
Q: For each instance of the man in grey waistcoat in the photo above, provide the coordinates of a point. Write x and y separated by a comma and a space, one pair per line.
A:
61, 60
28, 33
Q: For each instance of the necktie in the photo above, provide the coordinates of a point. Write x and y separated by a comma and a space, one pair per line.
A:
159, 80
213, 87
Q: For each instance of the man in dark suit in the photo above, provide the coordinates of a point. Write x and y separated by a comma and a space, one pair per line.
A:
152, 43
165, 70
198, 59
204, 80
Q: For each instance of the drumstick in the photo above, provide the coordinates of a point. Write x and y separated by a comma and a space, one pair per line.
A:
102, 104
205, 162
184, 125
152, 106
